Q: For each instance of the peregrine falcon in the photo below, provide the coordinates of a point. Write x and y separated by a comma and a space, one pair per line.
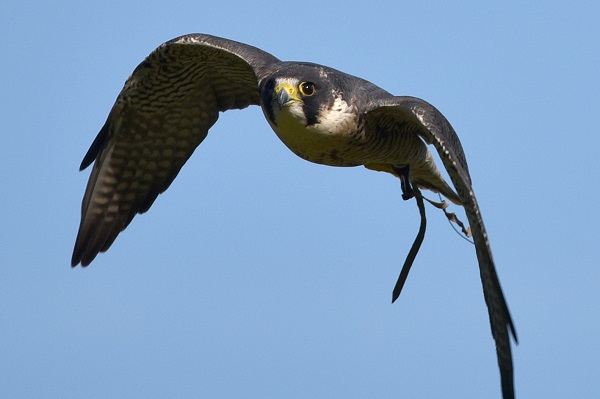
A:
323, 115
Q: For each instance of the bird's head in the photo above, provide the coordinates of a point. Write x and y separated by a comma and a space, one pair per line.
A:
299, 92
313, 109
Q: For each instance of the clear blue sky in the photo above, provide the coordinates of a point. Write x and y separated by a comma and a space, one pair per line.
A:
261, 275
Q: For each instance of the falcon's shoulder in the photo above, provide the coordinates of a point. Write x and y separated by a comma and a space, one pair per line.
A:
431, 125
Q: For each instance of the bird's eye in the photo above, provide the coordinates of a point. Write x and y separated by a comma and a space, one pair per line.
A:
306, 88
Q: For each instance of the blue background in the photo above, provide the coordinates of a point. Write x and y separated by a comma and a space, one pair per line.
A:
261, 275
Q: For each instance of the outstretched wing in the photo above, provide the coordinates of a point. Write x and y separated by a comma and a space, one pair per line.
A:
435, 129
162, 114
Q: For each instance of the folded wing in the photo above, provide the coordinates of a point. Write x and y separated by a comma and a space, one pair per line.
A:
435, 129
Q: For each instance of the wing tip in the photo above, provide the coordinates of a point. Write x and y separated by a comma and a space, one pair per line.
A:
508, 385
81, 255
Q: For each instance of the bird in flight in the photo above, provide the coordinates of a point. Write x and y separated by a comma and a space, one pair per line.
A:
325, 116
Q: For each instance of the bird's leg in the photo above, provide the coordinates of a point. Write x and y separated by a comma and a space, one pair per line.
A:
414, 249
407, 189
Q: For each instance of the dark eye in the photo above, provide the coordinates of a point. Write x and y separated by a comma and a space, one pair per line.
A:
307, 88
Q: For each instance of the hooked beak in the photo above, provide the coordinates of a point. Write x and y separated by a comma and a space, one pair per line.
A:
285, 94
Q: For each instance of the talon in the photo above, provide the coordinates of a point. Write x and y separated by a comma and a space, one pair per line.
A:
407, 190
407, 195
